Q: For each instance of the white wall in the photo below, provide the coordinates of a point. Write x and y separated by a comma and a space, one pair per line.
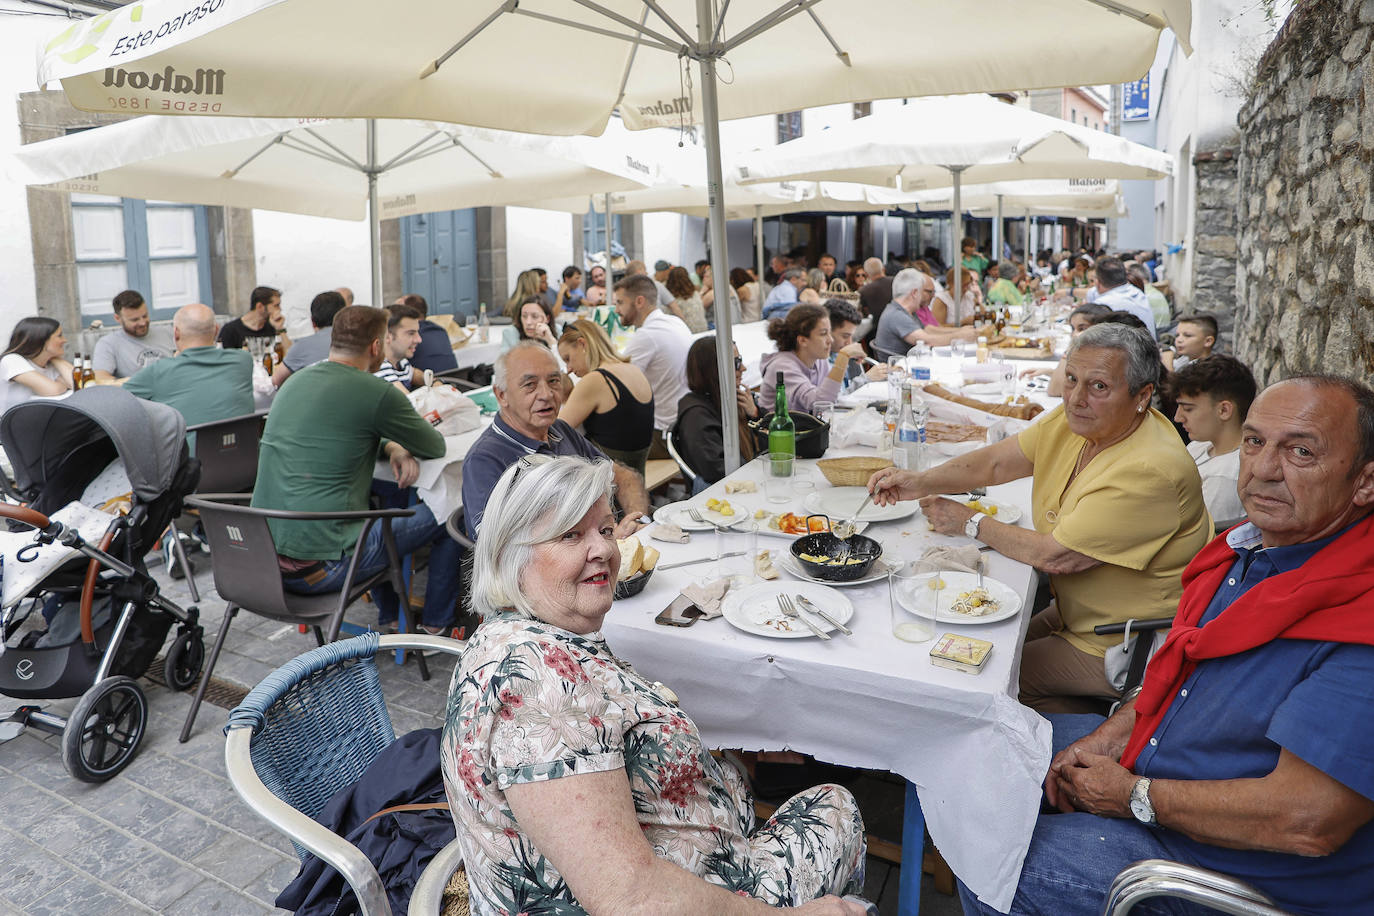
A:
1198, 104
537, 238
662, 235
305, 255
22, 33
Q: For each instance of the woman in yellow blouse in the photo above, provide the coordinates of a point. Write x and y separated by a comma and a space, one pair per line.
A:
1117, 511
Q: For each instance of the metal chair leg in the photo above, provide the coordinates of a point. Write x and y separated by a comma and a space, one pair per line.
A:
184, 562
230, 611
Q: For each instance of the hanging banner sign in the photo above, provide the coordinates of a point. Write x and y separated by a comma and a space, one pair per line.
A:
1135, 100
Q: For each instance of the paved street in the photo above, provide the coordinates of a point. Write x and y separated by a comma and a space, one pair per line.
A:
169, 836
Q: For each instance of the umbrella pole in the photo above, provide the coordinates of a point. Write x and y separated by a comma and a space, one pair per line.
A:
725, 363
885, 246
997, 227
374, 219
956, 226
758, 246
1027, 246
609, 239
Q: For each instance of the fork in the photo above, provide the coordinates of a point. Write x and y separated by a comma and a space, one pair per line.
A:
696, 516
790, 610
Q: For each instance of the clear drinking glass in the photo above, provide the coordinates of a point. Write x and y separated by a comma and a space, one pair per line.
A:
777, 480
959, 348
1006, 373
913, 600
470, 324
743, 538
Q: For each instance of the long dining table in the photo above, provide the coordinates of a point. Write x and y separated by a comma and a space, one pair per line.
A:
973, 756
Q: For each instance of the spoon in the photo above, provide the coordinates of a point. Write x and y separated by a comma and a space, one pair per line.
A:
845, 530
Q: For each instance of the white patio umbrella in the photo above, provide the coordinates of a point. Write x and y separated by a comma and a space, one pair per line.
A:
507, 64
1089, 198
755, 201
503, 65
346, 169
943, 142
1059, 196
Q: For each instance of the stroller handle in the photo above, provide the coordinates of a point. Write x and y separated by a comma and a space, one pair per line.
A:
25, 514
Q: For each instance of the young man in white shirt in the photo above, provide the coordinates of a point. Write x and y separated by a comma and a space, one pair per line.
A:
658, 347
1213, 396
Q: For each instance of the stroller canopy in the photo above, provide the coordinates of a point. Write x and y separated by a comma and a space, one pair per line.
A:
40, 434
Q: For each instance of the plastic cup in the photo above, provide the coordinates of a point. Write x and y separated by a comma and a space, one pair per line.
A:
913, 599
823, 410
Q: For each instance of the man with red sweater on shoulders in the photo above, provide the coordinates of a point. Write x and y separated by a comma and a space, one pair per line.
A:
1249, 749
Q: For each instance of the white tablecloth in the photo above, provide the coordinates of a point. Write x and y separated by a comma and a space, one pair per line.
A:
440, 484
976, 755
476, 354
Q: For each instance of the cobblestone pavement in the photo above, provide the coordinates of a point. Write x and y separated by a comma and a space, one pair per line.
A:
169, 836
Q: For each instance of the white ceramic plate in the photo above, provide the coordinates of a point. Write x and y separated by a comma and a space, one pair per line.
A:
755, 609
1005, 511
676, 514
840, 502
788, 564
917, 596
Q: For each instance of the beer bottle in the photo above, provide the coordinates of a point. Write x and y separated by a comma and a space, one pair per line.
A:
87, 373
782, 432
279, 349
77, 380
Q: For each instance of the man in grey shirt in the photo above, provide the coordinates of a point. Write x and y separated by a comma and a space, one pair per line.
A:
313, 349
899, 328
135, 344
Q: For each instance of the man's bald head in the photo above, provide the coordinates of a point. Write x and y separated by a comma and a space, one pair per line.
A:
346, 293
635, 268
194, 326
1305, 458
874, 268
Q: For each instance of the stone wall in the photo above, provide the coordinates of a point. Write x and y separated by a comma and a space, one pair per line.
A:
1214, 238
1305, 216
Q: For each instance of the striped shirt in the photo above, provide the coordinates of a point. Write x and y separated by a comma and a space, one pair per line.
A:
399, 372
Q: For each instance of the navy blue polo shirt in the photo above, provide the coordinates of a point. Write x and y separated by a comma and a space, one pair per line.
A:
435, 350
498, 448
1233, 714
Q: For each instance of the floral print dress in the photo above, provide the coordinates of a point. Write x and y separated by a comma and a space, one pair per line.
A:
530, 701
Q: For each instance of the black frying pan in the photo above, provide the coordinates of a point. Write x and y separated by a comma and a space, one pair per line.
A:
825, 544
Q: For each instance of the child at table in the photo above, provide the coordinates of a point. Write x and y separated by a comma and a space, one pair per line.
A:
1213, 396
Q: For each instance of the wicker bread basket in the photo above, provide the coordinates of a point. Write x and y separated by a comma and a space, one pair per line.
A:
840, 290
851, 472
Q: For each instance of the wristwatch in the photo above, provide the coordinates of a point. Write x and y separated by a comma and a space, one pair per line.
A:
1140, 803
971, 526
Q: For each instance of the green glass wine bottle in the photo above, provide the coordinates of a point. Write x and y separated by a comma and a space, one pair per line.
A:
782, 432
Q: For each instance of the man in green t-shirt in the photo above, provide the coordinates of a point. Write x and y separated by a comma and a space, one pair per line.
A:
972, 259
202, 381
323, 436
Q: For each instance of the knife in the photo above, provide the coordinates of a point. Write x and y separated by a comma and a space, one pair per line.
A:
733, 553
809, 606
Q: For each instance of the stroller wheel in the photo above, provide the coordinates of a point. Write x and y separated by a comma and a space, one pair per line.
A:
105, 730
182, 666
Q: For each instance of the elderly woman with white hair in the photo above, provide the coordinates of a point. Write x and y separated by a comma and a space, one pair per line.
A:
1117, 512
577, 784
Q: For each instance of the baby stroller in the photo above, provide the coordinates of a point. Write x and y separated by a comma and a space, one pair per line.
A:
103, 474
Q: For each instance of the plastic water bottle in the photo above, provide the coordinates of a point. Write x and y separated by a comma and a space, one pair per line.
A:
483, 325
909, 445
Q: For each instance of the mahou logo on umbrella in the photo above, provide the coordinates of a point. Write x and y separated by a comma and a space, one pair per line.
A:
202, 82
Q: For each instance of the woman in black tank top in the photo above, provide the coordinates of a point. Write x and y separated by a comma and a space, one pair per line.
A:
607, 399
